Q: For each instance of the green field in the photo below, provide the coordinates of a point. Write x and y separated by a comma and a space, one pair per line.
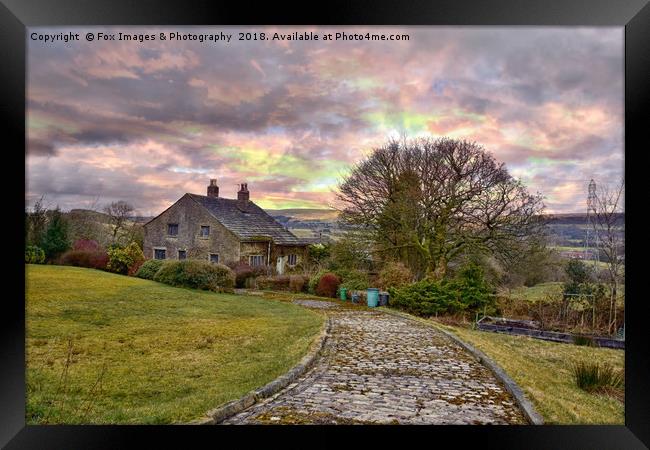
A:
599, 264
543, 370
537, 292
110, 349
542, 291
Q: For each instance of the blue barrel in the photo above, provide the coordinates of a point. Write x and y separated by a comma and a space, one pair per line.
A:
373, 297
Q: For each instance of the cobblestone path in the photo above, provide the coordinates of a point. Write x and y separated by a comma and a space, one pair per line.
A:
379, 368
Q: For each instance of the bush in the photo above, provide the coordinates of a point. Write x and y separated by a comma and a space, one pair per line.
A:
149, 268
274, 283
468, 292
197, 275
425, 298
314, 279
244, 274
84, 258
328, 285
34, 255
55, 241
474, 290
395, 275
298, 283
121, 260
354, 280
318, 252
592, 377
87, 245
133, 269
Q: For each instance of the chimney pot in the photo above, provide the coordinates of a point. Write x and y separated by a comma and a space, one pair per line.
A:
213, 189
243, 196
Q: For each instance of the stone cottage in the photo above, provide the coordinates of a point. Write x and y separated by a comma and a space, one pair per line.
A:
222, 230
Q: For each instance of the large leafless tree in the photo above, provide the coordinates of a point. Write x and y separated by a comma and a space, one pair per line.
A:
429, 201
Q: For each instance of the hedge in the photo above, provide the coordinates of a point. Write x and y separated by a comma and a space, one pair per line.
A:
196, 275
149, 268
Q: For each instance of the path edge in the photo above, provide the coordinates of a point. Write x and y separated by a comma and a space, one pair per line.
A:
525, 405
217, 415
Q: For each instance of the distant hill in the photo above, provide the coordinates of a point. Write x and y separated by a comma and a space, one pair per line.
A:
94, 215
305, 214
574, 218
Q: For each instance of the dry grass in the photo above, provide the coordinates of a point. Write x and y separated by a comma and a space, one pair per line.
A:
544, 371
110, 349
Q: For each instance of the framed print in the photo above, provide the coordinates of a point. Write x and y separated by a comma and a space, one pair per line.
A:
301, 222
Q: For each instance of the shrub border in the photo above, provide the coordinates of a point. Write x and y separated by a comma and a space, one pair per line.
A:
217, 415
525, 405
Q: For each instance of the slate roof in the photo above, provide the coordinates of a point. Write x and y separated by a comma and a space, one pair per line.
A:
247, 225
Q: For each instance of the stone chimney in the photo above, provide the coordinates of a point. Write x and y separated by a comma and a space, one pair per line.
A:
213, 189
243, 196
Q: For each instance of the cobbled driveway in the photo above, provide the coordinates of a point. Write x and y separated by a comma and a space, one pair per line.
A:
379, 368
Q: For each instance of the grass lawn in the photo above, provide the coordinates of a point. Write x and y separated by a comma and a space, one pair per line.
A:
543, 370
110, 349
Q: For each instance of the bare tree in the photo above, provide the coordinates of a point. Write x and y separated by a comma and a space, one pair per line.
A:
119, 213
609, 230
429, 201
36, 222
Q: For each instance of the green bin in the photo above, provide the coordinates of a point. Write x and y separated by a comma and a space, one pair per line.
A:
343, 292
373, 297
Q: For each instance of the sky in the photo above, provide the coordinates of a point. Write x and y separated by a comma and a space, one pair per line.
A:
149, 121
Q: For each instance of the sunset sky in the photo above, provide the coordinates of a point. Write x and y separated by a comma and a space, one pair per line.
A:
147, 122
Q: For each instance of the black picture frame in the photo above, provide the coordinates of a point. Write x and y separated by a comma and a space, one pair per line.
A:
16, 15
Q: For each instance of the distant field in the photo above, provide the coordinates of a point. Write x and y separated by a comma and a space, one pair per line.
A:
110, 349
537, 292
306, 214
599, 264
543, 290
303, 232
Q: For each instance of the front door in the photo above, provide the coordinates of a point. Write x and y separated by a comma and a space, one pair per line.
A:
280, 264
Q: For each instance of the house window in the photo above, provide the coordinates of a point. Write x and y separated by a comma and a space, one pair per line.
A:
172, 229
292, 260
205, 231
214, 258
255, 260
182, 254
159, 253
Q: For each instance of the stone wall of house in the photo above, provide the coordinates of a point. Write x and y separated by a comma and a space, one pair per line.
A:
254, 248
284, 250
262, 248
190, 216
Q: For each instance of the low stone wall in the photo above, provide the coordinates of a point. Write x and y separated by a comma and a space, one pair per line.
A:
553, 336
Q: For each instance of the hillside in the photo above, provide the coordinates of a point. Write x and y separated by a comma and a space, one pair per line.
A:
109, 349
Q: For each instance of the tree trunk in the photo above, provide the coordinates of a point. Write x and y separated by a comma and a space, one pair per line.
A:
439, 269
613, 306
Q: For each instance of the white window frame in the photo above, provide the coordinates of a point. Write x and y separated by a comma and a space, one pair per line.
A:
250, 260
153, 251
